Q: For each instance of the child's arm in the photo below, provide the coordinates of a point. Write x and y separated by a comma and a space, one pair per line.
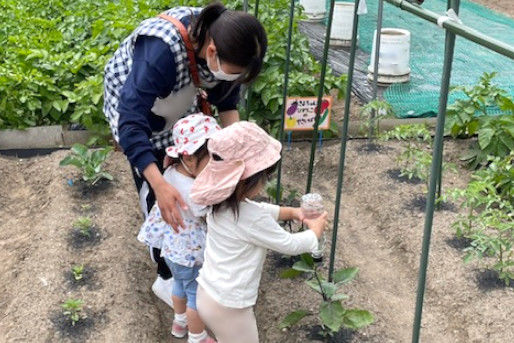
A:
290, 213
266, 232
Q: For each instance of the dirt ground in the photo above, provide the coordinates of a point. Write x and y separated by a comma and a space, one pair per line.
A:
379, 232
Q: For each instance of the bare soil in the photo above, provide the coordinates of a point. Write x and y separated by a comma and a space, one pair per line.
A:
377, 233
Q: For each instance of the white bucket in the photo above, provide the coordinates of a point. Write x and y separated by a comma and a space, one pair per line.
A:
342, 23
314, 9
393, 62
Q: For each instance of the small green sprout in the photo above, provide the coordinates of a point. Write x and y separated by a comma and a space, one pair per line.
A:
84, 224
78, 272
72, 308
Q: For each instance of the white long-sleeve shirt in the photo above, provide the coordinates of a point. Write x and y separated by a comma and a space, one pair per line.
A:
235, 251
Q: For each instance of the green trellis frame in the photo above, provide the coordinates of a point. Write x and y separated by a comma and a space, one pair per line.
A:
453, 29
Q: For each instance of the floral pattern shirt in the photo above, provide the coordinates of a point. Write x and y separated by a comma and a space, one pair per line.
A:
186, 247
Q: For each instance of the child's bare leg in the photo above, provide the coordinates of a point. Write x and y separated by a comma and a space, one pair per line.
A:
194, 322
180, 304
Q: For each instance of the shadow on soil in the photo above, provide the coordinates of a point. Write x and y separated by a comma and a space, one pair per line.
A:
419, 203
79, 240
489, 280
315, 333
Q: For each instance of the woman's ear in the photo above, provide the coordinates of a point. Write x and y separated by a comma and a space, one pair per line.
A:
210, 51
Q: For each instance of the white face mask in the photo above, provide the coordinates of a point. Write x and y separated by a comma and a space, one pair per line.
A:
220, 74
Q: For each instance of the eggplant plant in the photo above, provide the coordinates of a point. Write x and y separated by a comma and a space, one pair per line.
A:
89, 161
332, 314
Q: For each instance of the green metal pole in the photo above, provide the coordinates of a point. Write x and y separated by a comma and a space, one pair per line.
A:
440, 176
284, 94
320, 95
456, 28
344, 138
249, 88
435, 171
371, 132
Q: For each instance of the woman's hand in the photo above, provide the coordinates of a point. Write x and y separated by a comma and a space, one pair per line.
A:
167, 197
317, 224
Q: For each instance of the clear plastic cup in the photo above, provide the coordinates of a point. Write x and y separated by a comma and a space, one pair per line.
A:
312, 207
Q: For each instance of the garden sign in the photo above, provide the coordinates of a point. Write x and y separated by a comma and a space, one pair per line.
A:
301, 112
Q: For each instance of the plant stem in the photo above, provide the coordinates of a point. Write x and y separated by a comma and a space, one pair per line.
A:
319, 283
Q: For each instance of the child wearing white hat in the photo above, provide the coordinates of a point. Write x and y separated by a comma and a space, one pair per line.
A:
183, 250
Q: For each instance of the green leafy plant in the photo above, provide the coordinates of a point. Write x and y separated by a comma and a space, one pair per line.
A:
90, 162
332, 314
78, 272
53, 58
84, 224
494, 237
489, 215
271, 191
469, 116
414, 161
379, 109
72, 308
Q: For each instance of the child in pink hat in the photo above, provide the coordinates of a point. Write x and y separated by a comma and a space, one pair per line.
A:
242, 158
183, 250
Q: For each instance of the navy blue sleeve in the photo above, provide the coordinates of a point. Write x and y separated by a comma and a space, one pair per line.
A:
225, 96
153, 75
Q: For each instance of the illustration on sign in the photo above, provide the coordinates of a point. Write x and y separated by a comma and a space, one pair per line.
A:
300, 113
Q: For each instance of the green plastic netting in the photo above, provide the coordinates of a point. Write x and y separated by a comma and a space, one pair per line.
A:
420, 96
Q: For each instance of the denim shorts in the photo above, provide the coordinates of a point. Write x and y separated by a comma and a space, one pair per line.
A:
184, 284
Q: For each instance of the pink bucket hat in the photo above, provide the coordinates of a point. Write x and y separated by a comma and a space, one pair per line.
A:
190, 133
245, 149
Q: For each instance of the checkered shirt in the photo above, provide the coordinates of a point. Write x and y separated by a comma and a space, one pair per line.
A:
119, 66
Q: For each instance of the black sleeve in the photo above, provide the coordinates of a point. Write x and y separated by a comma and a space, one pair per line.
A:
153, 74
225, 96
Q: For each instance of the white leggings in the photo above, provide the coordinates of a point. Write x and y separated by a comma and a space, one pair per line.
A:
229, 325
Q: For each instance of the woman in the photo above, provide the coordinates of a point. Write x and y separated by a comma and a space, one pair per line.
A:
151, 82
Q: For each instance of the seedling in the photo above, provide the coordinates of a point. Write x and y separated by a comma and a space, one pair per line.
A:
381, 109
332, 314
271, 191
78, 272
84, 224
72, 308
414, 161
90, 162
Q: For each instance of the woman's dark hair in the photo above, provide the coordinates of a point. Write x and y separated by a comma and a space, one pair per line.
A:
239, 37
242, 189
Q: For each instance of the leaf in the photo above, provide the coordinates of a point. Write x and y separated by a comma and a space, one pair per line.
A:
484, 137
307, 258
70, 160
290, 273
331, 315
79, 149
345, 275
356, 319
339, 297
293, 318
302, 267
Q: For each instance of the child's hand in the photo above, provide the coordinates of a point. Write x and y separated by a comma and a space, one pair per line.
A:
298, 215
317, 224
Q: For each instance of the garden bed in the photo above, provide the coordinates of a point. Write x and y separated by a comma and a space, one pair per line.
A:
377, 234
